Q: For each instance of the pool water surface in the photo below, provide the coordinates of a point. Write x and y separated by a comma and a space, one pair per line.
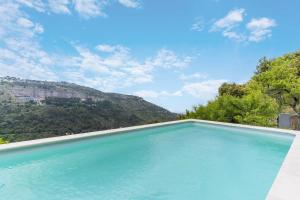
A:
175, 162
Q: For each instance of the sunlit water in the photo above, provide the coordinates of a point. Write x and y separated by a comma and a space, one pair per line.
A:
179, 162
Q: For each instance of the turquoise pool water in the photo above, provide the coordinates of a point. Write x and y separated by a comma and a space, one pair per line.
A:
185, 161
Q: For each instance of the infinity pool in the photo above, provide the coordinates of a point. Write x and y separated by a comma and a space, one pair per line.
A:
185, 161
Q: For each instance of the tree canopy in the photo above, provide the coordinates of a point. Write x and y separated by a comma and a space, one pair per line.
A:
2, 141
274, 87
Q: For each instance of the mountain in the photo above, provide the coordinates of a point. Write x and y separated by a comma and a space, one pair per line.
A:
36, 109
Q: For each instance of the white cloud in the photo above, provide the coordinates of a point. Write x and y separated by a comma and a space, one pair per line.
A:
90, 8
59, 6
130, 3
29, 25
85, 8
25, 22
12, 21
105, 67
233, 18
38, 28
21, 55
111, 48
198, 25
116, 68
234, 36
25, 59
168, 59
204, 90
192, 76
260, 28
228, 23
154, 94
38, 5
105, 48
90, 61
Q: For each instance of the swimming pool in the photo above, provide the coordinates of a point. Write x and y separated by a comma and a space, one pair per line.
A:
185, 160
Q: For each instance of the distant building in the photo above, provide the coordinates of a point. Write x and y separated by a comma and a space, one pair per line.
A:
25, 99
289, 121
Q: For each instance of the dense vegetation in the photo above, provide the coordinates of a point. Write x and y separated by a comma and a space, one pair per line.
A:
56, 116
2, 141
60, 116
274, 88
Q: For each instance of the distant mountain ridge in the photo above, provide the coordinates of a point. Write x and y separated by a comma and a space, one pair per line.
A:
32, 109
19, 89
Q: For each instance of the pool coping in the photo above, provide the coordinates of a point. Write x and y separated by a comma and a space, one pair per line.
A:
285, 187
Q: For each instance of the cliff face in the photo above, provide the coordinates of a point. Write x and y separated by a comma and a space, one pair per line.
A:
21, 90
35, 109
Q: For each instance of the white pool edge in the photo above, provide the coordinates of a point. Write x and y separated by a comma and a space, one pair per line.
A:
285, 187
287, 183
65, 138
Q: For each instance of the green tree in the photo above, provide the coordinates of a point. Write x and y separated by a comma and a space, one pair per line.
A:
232, 89
254, 108
264, 65
282, 82
2, 141
274, 87
257, 108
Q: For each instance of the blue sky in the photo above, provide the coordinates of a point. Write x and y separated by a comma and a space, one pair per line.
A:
174, 53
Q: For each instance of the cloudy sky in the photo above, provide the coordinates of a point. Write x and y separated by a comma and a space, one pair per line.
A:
175, 53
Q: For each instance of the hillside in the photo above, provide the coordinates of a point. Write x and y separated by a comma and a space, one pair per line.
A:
37, 109
274, 88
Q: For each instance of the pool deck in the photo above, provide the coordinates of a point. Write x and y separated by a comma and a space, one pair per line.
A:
285, 187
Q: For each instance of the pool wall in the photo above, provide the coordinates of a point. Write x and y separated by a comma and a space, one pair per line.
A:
285, 187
